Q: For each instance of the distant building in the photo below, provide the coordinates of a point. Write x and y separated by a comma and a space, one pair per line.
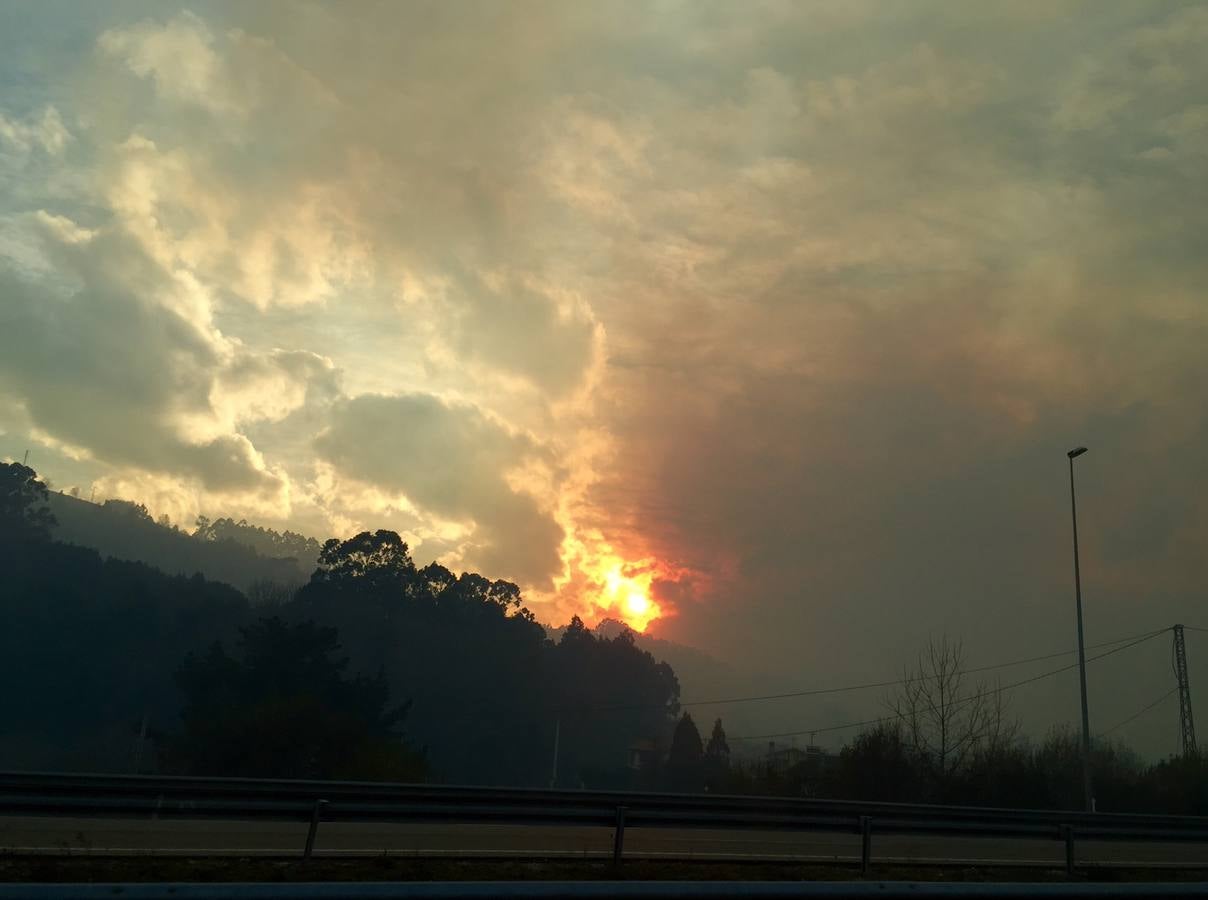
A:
807, 764
781, 759
643, 754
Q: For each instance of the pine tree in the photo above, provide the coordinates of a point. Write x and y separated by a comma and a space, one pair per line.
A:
718, 751
686, 745
685, 762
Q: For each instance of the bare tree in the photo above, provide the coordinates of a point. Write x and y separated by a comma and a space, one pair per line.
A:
947, 719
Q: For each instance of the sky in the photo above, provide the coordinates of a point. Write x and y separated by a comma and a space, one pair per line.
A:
762, 326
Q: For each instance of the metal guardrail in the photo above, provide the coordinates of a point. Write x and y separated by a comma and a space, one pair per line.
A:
579, 890
316, 801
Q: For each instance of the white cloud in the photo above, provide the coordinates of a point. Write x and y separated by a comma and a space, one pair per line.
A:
180, 58
452, 462
125, 367
824, 277
46, 132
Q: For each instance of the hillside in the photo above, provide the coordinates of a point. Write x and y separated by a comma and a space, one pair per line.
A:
123, 530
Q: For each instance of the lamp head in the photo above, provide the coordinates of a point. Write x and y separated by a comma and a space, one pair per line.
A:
1077, 451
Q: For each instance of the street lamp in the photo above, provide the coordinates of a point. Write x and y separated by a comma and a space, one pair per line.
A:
1086, 725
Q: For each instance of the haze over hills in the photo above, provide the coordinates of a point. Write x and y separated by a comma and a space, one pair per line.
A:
777, 348
704, 679
251, 559
268, 566
121, 529
373, 668
379, 668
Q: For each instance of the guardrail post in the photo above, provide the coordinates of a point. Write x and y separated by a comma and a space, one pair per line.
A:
315, 815
618, 837
865, 844
1067, 835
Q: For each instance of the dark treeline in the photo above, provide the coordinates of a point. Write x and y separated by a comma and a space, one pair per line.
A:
231, 552
268, 543
881, 763
487, 688
947, 739
377, 668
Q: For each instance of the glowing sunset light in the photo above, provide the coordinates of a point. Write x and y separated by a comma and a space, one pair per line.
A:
758, 330
636, 604
628, 597
602, 581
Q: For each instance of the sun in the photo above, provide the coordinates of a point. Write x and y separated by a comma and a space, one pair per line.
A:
604, 584
637, 604
627, 596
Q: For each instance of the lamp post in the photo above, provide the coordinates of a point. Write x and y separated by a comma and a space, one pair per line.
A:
1087, 790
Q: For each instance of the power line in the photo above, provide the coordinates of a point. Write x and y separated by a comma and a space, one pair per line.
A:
1194, 628
957, 703
1138, 713
813, 692
583, 709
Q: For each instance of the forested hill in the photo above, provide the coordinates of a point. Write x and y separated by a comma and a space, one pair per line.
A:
375, 668
120, 529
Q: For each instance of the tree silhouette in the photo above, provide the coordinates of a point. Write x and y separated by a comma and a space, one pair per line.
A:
285, 708
264, 592
685, 770
686, 747
23, 503
718, 750
609, 694
376, 563
946, 720
87, 648
265, 541
878, 764
90, 642
717, 757
124, 530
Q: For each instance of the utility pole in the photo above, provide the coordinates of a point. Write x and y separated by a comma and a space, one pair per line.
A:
1186, 722
138, 752
1087, 789
553, 775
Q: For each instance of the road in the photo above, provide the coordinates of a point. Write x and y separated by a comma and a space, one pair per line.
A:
62, 835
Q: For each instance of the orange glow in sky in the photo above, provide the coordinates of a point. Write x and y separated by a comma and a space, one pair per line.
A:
602, 581
627, 597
